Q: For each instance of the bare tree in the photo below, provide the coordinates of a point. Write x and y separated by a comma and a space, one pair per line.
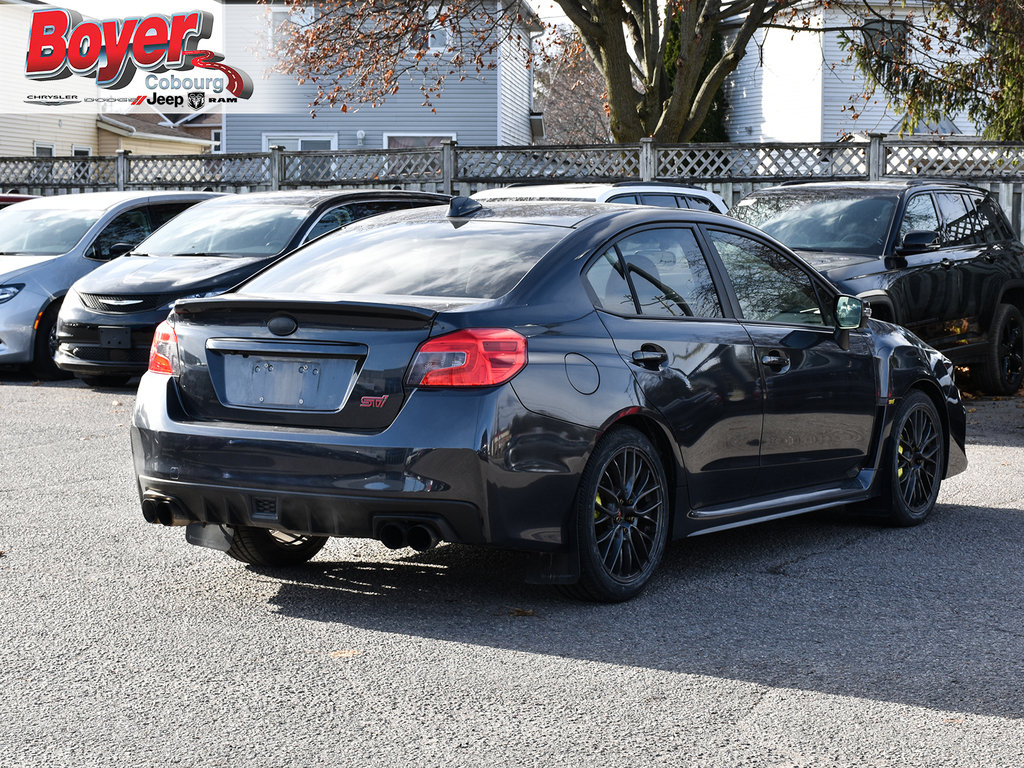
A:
363, 51
570, 92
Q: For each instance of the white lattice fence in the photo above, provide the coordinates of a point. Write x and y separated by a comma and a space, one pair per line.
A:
248, 170
407, 166
577, 163
742, 162
46, 173
971, 161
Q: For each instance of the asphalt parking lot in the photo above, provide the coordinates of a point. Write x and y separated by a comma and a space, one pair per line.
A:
813, 641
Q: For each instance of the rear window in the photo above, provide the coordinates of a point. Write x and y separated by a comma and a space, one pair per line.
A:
482, 260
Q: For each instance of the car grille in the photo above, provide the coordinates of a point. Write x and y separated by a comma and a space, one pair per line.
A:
107, 355
127, 303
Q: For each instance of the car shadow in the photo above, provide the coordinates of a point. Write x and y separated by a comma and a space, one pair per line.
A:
928, 616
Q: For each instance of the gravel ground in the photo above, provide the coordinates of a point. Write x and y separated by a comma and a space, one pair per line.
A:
815, 641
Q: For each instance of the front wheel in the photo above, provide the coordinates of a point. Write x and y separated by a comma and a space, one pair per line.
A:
260, 546
914, 461
44, 348
1002, 370
622, 517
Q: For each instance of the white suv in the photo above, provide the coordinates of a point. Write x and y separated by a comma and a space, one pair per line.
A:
636, 192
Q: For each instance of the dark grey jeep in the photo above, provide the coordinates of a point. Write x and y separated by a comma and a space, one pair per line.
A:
937, 257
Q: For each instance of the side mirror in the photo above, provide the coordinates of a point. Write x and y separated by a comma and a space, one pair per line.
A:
849, 313
918, 241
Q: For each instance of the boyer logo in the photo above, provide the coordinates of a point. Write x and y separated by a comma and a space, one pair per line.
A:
61, 44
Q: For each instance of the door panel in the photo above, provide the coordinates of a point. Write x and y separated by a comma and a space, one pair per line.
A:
819, 399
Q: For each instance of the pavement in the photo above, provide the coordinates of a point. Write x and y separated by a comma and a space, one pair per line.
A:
822, 640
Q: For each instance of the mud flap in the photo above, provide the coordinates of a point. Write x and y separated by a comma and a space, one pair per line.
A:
209, 535
555, 568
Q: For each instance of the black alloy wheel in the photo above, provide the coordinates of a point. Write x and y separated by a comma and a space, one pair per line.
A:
622, 517
1002, 371
916, 460
261, 546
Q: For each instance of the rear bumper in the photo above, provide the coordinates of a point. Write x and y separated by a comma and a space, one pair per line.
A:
476, 466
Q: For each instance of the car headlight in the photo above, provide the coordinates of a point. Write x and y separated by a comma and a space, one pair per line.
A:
8, 292
71, 299
202, 295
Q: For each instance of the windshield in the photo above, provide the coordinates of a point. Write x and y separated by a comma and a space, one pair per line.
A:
226, 230
848, 221
43, 232
481, 260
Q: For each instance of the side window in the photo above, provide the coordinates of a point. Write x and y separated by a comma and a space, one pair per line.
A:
669, 274
330, 221
129, 227
698, 203
631, 199
609, 286
162, 213
663, 201
993, 223
919, 215
960, 225
768, 286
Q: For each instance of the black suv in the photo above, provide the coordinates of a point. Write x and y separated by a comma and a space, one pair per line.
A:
937, 257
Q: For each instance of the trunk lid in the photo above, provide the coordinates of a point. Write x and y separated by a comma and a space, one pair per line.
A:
333, 364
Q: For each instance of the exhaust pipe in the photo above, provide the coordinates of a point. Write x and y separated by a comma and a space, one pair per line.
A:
392, 536
422, 537
164, 510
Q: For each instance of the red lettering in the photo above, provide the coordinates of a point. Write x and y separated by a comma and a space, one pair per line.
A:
149, 45
118, 39
46, 44
84, 47
183, 25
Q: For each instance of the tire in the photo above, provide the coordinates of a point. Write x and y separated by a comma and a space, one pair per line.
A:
914, 461
104, 381
261, 546
621, 518
44, 347
1002, 370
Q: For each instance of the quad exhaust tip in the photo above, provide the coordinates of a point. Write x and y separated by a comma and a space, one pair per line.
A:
164, 510
419, 536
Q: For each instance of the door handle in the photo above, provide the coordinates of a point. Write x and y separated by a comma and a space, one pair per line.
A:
776, 361
650, 356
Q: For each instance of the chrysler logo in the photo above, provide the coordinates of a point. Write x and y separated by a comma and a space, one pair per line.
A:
122, 302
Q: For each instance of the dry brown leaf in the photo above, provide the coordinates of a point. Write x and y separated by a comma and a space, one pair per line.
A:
521, 612
345, 653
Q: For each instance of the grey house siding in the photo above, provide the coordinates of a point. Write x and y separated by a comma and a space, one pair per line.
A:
516, 95
486, 109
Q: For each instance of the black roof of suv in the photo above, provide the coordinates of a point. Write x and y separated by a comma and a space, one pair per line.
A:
938, 257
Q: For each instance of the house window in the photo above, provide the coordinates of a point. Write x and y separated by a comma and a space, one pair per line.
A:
304, 142
42, 150
415, 140
436, 39
215, 138
80, 151
886, 42
282, 20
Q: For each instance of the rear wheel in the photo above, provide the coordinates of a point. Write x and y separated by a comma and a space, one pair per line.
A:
1002, 370
44, 348
914, 461
260, 546
622, 518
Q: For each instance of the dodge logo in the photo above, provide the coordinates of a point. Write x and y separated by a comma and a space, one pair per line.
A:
196, 99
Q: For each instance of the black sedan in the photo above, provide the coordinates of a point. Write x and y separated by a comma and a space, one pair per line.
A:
107, 320
584, 381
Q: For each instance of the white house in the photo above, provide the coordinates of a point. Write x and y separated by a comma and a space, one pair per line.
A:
803, 87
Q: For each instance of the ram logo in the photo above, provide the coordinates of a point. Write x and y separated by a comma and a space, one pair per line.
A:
373, 402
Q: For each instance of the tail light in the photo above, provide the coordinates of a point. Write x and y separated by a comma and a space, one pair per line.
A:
475, 357
163, 354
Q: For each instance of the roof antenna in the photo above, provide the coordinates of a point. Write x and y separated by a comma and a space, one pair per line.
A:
461, 206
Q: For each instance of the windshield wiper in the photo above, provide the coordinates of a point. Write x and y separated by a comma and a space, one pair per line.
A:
200, 254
